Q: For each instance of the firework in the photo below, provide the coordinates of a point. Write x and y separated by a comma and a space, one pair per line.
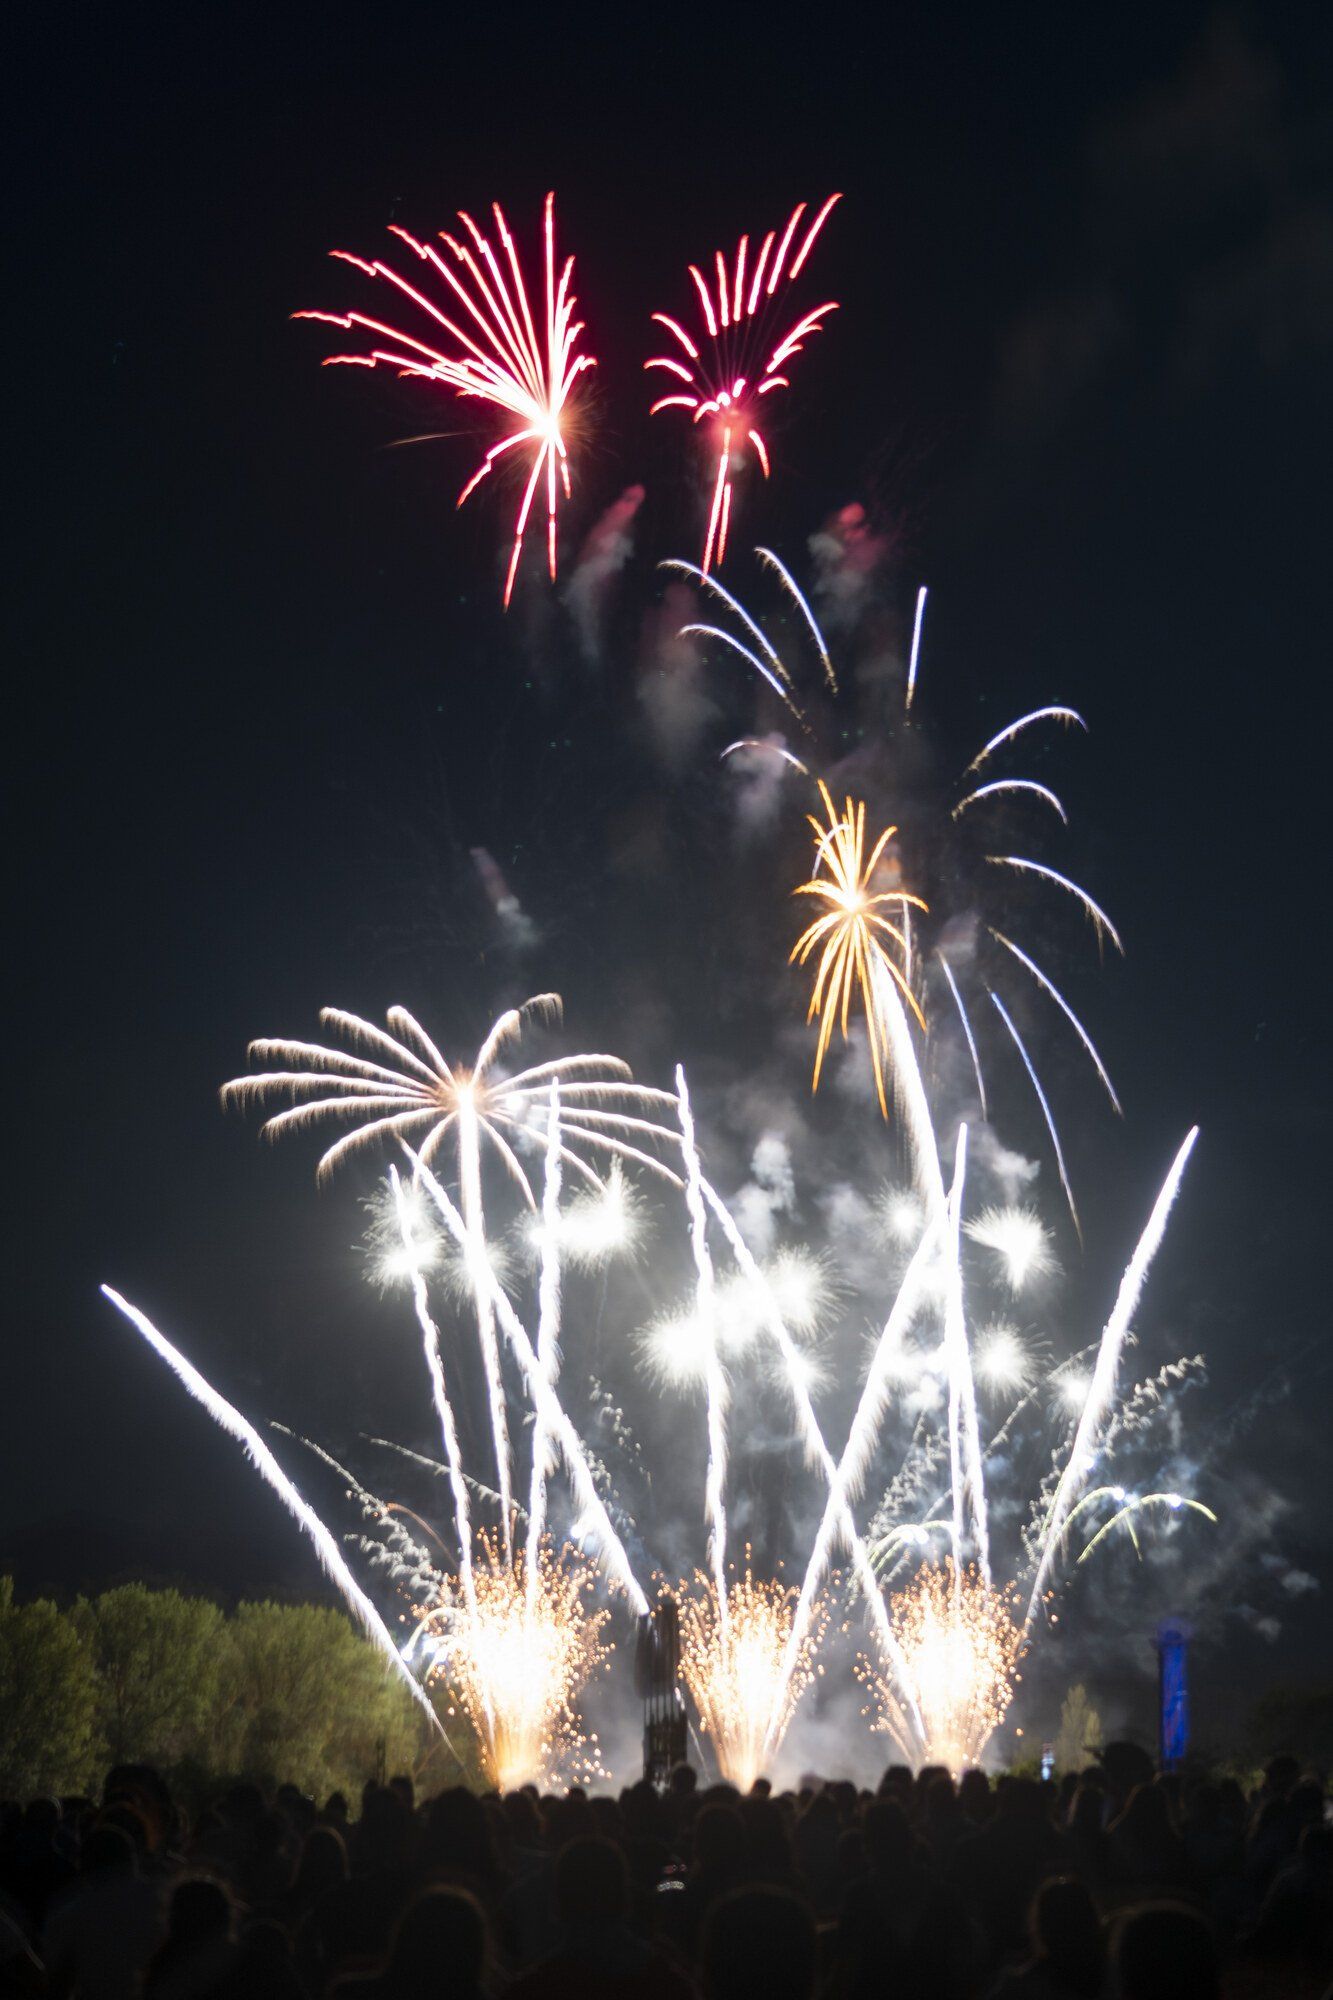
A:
733, 1661
752, 644
330, 1555
598, 1224
1097, 1403
393, 1084
1001, 1359
546, 1402
722, 376
715, 1380
515, 1651
960, 1641
850, 932
1019, 1239
548, 1334
1127, 1506
496, 353
409, 1224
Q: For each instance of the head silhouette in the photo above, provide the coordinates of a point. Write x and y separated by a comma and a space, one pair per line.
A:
1166, 1952
758, 1944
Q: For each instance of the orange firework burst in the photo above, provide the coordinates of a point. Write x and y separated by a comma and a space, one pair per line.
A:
850, 932
499, 353
959, 1643
516, 1652
734, 1662
738, 357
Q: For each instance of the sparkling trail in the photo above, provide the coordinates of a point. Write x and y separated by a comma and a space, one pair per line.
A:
1065, 1009
430, 1338
714, 1376
548, 1333
916, 648
1046, 1111
1101, 1388
546, 1400
330, 1555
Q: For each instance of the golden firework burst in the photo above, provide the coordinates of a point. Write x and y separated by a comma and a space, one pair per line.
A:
851, 931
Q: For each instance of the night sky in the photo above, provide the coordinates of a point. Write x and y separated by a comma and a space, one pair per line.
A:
267, 703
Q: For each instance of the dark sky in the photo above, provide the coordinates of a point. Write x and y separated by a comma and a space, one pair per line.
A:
266, 702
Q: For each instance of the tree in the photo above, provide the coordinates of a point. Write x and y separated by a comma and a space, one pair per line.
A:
47, 1699
157, 1656
303, 1696
1080, 1733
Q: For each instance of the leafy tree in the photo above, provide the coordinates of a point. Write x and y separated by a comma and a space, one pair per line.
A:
302, 1695
47, 1699
1080, 1734
157, 1656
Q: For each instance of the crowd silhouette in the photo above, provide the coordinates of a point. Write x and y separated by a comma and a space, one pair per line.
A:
1116, 1883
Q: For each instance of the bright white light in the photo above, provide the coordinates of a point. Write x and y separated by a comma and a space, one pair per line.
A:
601, 1223
904, 1218
1001, 1359
1019, 1239
800, 1288
806, 1371
1072, 1387
392, 1261
676, 1350
676, 1346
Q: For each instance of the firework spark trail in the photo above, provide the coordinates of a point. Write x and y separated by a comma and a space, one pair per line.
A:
430, 1340
917, 623
966, 1465
398, 1545
1003, 785
331, 1558
736, 360
546, 1401
714, 1376
969, 1472
1046, 1111
849, 1473
477, 1262
1054, 713
1101, 923
505, 362
1172, 1501
802, 603
967, 1030
1101, 1389
548, 1332
1065, 1008
441, 1471
773, 749
816, 1448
